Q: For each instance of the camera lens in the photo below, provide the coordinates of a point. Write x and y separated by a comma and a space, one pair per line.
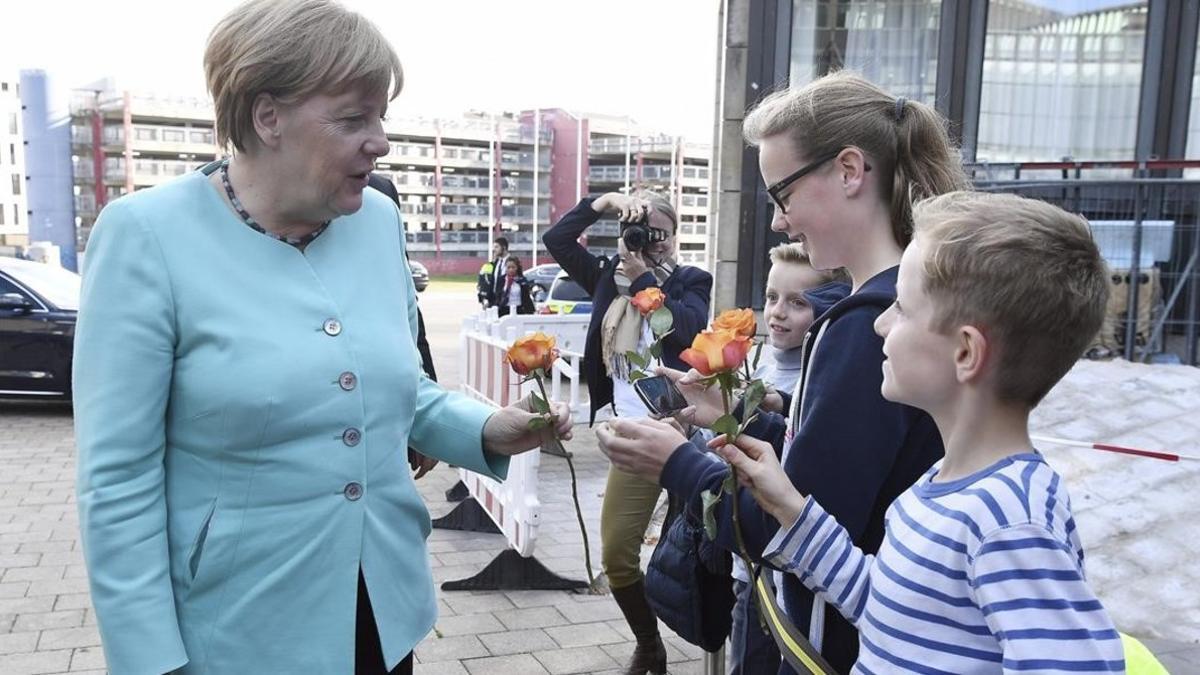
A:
636, 237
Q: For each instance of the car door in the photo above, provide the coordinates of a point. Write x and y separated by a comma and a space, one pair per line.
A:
27, 346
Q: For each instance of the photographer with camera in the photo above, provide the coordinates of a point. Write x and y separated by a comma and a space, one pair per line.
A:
646, 259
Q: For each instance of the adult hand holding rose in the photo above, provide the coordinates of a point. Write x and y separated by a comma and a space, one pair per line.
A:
508, 430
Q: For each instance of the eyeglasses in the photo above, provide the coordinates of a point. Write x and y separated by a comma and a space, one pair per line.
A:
777, 188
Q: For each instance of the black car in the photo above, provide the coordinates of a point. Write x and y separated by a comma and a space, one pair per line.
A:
420, 275
38, 307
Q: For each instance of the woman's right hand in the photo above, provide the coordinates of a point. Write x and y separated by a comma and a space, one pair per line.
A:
705, 404
628, 209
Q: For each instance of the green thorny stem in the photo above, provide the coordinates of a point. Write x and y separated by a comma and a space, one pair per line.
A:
726, 397
587, 551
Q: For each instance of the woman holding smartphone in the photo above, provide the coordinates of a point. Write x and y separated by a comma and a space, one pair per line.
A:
617, 327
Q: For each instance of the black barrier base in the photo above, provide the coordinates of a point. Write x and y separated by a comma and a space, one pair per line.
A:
510, 572
457, 493
468, 516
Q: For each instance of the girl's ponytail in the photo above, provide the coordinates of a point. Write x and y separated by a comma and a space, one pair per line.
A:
927, 164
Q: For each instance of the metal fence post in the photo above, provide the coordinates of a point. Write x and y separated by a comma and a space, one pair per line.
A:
1131, 310
1193, 293
714, 662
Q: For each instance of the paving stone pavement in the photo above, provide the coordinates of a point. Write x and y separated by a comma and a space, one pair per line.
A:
1136, 517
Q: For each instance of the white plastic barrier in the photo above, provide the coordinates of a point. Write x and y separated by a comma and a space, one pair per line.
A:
569, 330
513, 504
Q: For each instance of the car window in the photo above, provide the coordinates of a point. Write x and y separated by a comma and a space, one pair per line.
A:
55, 284
568, 290
7, 286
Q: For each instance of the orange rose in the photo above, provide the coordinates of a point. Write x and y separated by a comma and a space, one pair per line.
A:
648, 300
532, 352
715, 351
740, 321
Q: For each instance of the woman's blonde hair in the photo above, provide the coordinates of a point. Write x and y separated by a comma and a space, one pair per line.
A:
903, 139
660, 203
291, 49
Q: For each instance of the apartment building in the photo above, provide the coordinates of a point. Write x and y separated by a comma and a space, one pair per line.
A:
461, 181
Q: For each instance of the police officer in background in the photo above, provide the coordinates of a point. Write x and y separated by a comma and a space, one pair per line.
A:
491, 275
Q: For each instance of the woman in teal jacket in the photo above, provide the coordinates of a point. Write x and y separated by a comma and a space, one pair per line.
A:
244, 392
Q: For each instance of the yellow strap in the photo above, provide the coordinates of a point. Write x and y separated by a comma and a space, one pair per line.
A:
792, 646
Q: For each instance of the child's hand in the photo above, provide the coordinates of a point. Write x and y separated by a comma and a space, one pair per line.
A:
759, 471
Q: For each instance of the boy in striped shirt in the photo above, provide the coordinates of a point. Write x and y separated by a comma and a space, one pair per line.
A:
981, 568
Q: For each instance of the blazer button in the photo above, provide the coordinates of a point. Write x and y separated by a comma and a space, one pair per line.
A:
347, 381
332, 327
351, 436
353, 491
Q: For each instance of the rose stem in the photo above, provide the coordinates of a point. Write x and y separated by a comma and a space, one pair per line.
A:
587, 553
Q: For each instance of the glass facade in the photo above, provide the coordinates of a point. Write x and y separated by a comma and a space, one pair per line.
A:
1061, 79
893, 43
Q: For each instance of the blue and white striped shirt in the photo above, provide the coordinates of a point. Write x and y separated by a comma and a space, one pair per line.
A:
979, 575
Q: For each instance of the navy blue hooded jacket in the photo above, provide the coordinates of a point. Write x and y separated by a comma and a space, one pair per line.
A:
687, 293
854, 453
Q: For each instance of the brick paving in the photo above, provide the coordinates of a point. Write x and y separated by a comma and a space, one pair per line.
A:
1136, 517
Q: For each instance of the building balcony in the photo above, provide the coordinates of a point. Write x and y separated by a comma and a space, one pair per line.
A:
423, 154
172, 140
474, 213
604, 228
146, 172
85, 205
659, 174
647, 145
479, 130
424, 183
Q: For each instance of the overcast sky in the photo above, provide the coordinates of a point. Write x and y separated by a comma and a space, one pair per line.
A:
654, 60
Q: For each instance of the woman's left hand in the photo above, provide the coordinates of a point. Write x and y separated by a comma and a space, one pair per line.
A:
507, 431
640, 446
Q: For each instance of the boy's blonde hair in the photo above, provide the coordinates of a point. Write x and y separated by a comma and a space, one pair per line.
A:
1026, 273
906, 141
793, 253
291, 49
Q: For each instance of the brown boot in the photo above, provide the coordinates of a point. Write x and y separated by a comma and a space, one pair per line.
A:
649, 656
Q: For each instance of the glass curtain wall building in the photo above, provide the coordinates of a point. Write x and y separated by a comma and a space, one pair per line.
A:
1060, 78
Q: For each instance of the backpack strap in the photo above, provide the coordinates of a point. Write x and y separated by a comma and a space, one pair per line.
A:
793, 645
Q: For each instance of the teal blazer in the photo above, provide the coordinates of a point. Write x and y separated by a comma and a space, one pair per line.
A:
242, 412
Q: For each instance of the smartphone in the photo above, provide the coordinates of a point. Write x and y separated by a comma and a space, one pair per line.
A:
660, 395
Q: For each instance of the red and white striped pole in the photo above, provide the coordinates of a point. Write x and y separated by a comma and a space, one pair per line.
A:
1120, 449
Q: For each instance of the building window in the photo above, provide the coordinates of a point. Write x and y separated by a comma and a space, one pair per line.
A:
16, 215
144, 134
892, 43
1, 216
1061, 83
12, 154
12, 123
16, 184
172, 136
3, 86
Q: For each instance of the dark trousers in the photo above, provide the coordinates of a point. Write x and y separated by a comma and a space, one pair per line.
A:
753, 651
368, 652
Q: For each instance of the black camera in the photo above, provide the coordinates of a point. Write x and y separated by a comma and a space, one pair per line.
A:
638, 236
